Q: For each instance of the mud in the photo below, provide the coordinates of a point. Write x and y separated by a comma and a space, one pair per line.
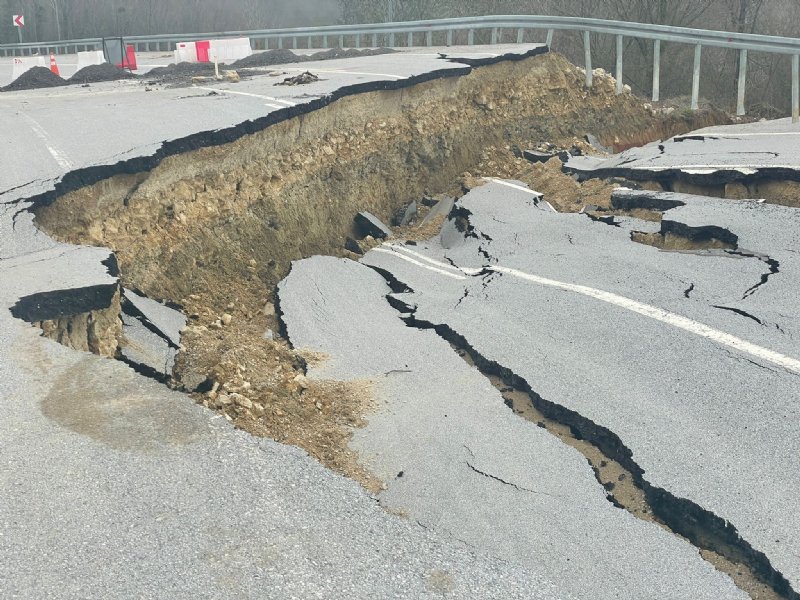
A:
284, 57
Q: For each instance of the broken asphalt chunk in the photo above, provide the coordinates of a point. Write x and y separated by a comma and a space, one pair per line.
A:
352, 245
369, 224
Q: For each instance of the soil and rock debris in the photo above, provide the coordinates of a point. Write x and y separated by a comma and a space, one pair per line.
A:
301, 79
37, 77
283, 56
216, 229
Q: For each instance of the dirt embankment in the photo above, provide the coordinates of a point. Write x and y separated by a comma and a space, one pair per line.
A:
215, 229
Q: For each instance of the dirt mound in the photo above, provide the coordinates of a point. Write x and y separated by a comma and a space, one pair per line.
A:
98, 73
285, 57
181, 70
268, 58
350, 53
37, 77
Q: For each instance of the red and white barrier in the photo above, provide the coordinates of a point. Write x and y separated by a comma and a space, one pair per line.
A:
223, 51
26, 63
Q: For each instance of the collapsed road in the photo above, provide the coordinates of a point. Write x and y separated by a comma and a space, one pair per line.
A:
104, 465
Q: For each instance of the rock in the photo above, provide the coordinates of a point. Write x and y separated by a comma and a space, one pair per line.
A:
536, 157
224, 400
410, 214
429, 201
352, 246
269, 309
369, 224
232, 76
226, 319
242, 401
302, 381
269, 335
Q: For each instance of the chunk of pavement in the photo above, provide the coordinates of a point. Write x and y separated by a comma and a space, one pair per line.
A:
146, 349
352, 245
537, 157
410, 214
443, 207
369, 224
595, 143
168, 321
589, 208
429, 201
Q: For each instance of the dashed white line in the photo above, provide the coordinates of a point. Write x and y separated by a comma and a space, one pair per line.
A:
57, 155
645, 310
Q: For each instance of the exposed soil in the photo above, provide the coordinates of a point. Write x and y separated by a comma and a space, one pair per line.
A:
98, 73
37, 77
215, 229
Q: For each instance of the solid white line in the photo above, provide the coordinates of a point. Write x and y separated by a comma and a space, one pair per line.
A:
432, 261
341, 72
646, 310
512, 185
224, 91
57, 155
712, 134
664, 316
419, 264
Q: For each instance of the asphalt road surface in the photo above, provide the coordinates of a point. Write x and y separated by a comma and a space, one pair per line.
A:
112, 486
689, 358
713, 154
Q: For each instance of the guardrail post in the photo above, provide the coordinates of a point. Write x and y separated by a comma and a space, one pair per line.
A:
449, 37
494, 35
587, 54
795, 88
619, 65
341, 41
325, 41
391, 40
429, 38
549, 41
358, 40
698, 49
520, 35
410, 39
471, 37
742, 82
280, 42
374, 40
656, 70
294, 42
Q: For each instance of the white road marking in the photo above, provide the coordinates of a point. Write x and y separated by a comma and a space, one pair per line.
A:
712, 134
270, 98
278, 106
57, 155
419, 264
431, 261
340, 72
645, 310
522, 189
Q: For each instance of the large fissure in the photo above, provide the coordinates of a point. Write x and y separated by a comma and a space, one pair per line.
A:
615, 468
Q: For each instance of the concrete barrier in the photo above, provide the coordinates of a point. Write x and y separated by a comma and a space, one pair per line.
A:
25, 63
224, 51
92, 57
228, 51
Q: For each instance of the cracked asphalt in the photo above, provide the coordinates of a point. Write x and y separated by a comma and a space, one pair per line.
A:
113, 486
634, 339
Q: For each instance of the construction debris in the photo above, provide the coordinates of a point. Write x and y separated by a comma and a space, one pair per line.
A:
301, 79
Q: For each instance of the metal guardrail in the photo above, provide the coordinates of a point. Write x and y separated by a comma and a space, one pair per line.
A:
447, 30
